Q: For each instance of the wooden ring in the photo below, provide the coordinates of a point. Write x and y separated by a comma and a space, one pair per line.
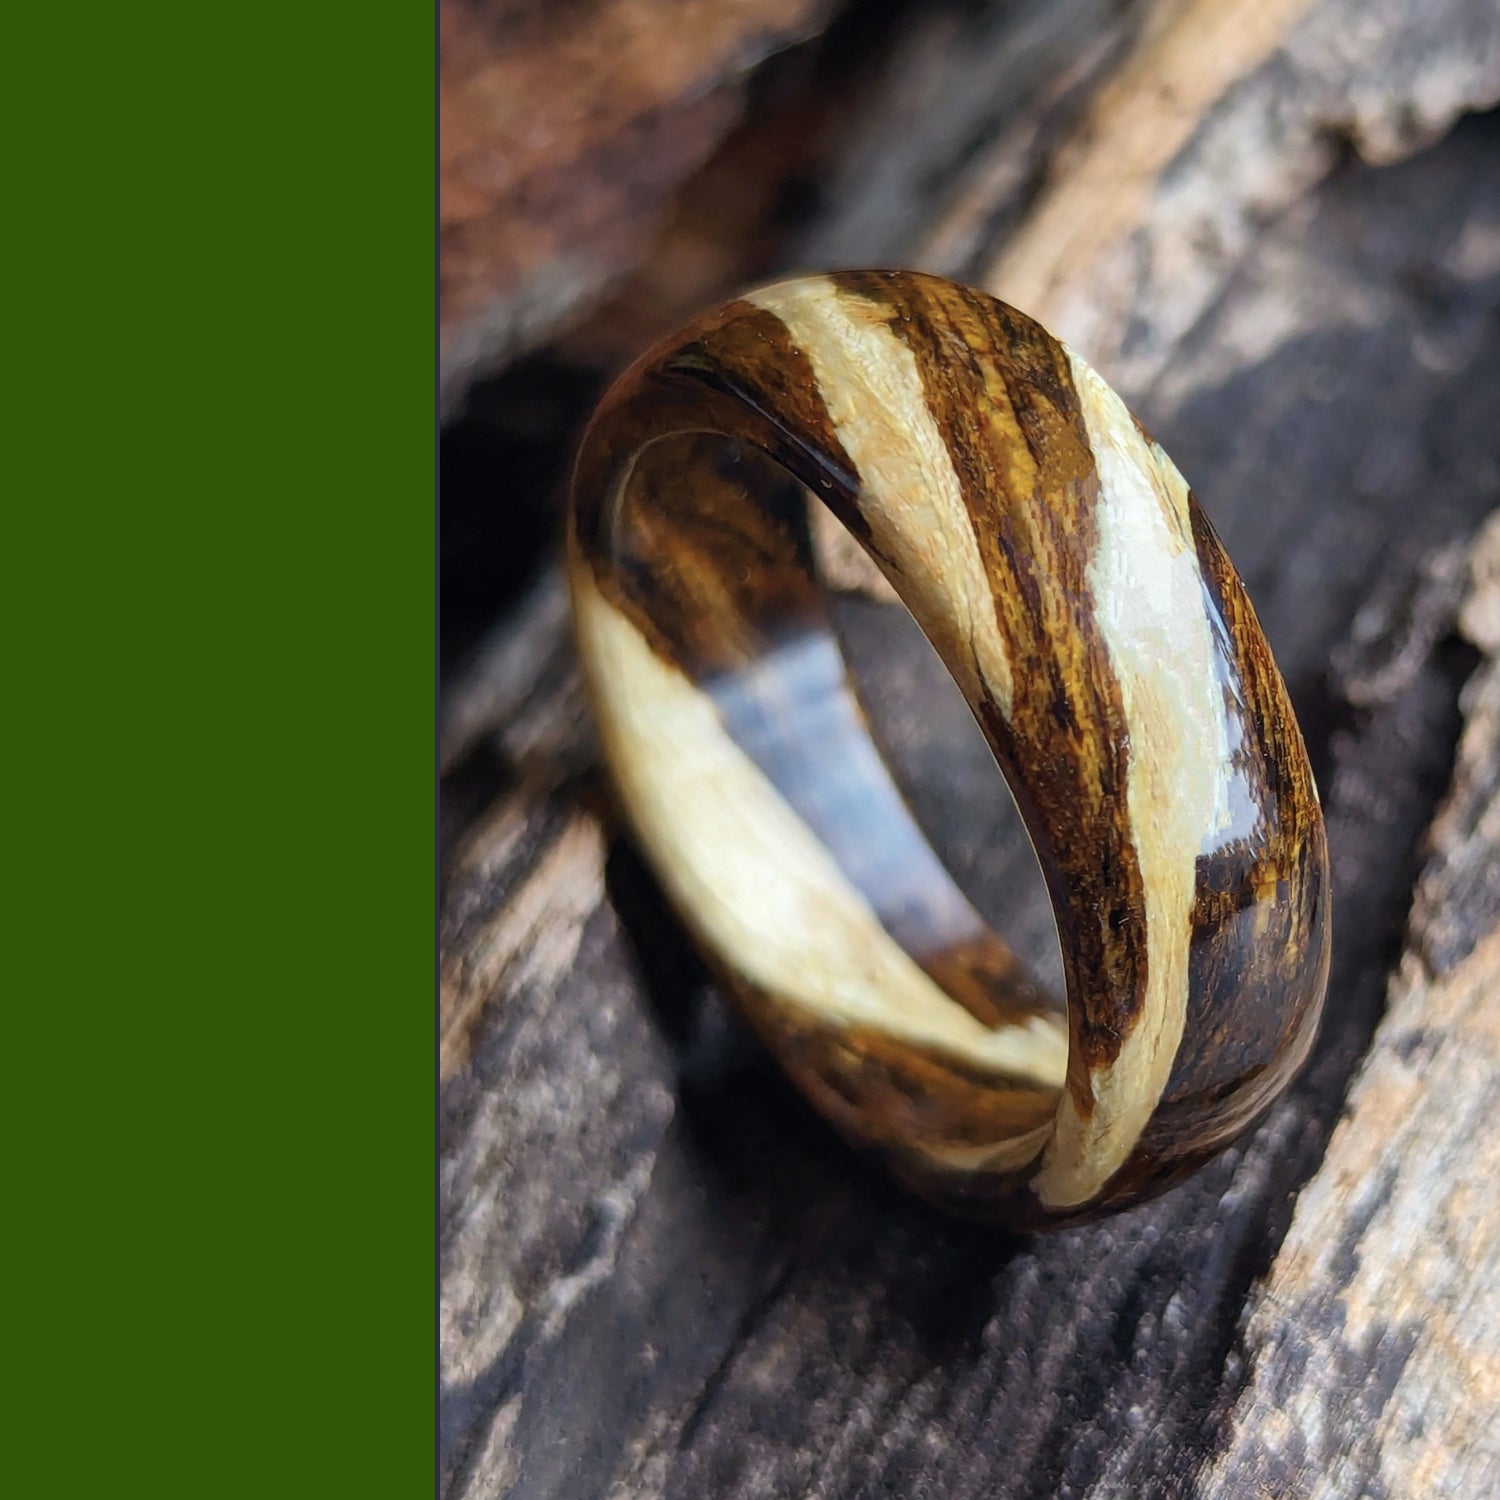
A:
1057, 561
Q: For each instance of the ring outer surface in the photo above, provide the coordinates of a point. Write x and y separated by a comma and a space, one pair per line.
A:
1073, 587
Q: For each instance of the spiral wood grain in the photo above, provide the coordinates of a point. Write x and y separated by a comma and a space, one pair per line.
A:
1066, 576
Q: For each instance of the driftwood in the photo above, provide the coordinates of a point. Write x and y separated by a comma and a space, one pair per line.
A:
661, 1275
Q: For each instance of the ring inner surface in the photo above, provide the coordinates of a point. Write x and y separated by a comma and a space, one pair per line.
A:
748, 767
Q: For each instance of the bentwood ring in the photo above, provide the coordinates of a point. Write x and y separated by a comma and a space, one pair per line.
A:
1066, 576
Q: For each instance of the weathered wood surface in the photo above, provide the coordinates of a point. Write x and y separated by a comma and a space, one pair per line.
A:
661, 1276
1376, 1335
1101, 163
564, 131
1222, 114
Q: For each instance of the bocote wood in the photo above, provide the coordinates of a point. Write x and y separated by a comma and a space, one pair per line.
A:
1058, 563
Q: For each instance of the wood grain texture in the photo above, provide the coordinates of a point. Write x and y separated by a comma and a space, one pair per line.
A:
1100, 163
564, 131
1375, 1340
660, 1276
656, 1280
1056, 560
941, 145
1219, 114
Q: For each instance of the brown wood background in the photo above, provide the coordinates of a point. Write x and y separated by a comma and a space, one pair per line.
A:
1276, 227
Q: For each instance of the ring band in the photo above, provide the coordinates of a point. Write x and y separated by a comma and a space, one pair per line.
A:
1056, 560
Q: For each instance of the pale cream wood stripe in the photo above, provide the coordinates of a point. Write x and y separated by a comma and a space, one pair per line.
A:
910, 494
1151, 612
750, 877
1014, 1155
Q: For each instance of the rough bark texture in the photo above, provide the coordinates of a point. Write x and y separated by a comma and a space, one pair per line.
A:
661, 1274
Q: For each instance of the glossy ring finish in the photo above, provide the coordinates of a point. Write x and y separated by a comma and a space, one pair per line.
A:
1066, 576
